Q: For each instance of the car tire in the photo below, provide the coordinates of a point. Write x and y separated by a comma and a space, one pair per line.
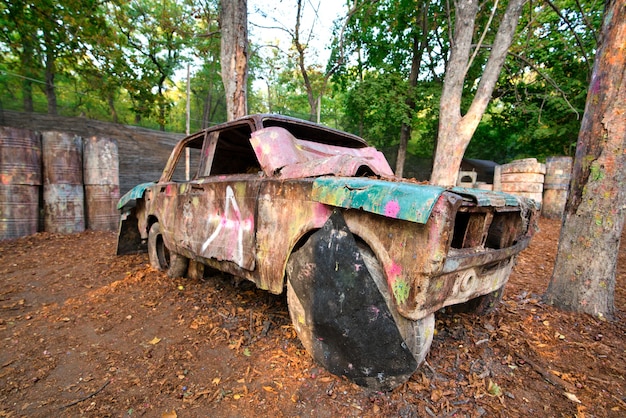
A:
383, 371
161, 257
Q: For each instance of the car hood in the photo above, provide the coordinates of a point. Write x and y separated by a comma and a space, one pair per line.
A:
397, 199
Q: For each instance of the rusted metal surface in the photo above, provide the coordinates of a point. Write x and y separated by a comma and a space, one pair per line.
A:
64, 208
101, 161
20, 180
262, 189
19, 211
20, 157
101, 206
282, 154
62, 158
101, 178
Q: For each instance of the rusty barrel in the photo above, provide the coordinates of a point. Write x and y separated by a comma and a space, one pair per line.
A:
523, 178
101, 174
20, 182
64, 208
63, 194
556, 186
101, 201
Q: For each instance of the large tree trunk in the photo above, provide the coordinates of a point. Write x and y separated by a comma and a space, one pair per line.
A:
234, 56
455, 131
584, 274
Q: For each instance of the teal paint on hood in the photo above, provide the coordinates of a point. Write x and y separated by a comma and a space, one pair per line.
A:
400, 200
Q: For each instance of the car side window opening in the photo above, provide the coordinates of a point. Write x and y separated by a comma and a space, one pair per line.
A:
229, 152
189, 161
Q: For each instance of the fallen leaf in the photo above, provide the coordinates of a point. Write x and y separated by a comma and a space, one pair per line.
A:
169, 414
494, 389
571, 397
154, 341
269, 389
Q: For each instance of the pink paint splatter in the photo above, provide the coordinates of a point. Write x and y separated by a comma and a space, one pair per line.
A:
393, 272
392, 208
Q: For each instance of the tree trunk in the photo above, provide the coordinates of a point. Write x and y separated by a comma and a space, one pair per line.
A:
234, 56
27, 71
111, 103
416, 63
51, 95
455, 131
584, 274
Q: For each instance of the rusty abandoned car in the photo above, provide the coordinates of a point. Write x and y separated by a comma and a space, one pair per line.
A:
366, 258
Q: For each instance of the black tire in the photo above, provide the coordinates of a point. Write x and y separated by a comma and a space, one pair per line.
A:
161, 258
382, 360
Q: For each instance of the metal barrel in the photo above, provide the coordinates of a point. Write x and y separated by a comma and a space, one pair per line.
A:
62, 158
20, 180
523, 178
101, 204
556, 186
64, 208
101, 161
19, 210
101, 174
63, 194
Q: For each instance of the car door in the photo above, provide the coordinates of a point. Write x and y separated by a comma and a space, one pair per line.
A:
217, 212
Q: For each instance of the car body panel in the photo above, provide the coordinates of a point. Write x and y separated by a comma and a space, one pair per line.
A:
283, 155
407, 201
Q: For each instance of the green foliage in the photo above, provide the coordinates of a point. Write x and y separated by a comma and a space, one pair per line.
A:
538, 101
125, 61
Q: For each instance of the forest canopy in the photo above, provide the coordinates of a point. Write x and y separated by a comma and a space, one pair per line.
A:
127, 61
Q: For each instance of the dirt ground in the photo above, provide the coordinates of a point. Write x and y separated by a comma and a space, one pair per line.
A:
86, 333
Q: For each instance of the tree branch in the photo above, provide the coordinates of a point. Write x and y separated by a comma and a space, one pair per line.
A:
571, 28
482, 37
547, 78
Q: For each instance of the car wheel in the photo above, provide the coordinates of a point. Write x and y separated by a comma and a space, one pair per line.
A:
161, 258
354, 331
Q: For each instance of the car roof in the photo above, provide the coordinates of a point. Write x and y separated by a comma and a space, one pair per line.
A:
301, 129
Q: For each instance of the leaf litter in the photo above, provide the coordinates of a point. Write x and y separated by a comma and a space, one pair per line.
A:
86, 333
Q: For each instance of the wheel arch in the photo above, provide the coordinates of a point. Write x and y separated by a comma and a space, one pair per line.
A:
361, 234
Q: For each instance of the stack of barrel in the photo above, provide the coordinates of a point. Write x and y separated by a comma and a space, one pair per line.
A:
79, 178
102, 190
523, 178
20, 182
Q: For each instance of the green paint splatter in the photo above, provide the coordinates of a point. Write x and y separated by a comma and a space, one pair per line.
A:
596, 173
401, 291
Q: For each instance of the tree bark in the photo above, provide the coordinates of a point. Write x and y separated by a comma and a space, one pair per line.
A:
584, 274
419, 44
27, 71
455, 131
234, 56
50, 71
